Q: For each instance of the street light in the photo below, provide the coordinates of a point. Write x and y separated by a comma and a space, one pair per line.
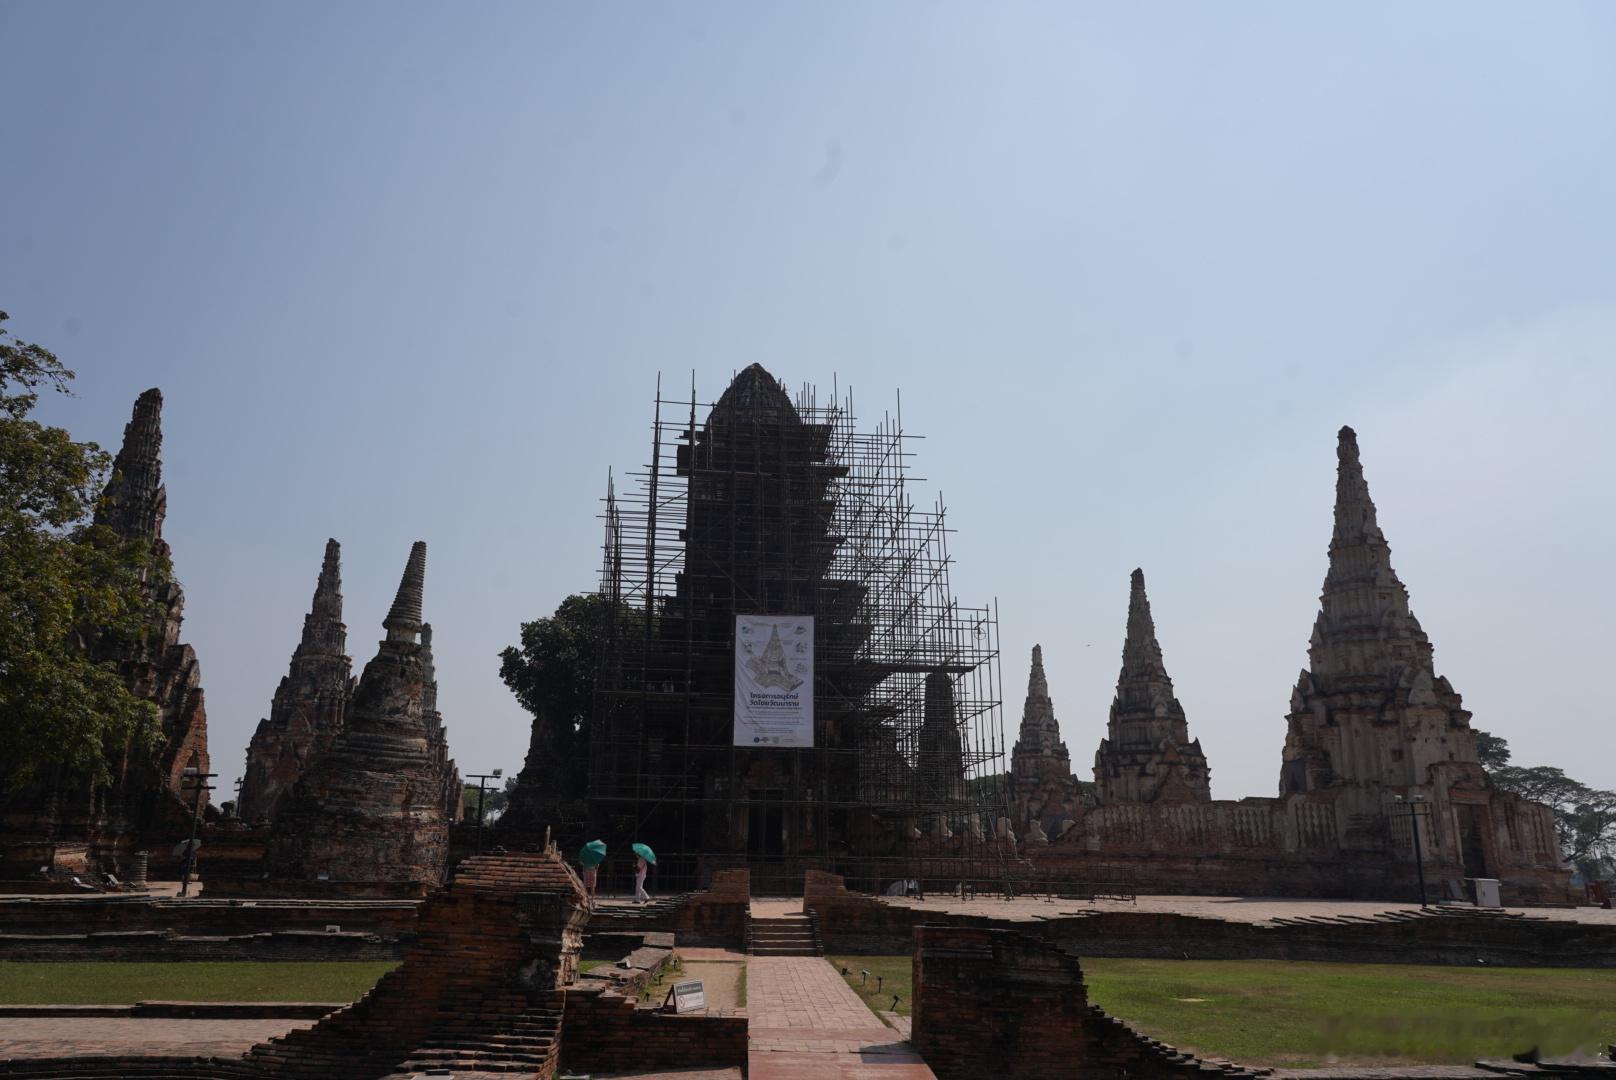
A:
1416, 809
482, 779
200, 780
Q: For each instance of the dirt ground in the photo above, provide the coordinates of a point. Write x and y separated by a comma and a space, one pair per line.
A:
720, 980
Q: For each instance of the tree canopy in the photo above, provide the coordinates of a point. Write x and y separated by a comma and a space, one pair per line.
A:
64, 579
1584, 817
1492, 751
553, 675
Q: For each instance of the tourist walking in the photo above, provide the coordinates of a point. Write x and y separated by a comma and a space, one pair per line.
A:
590, 857
643, 858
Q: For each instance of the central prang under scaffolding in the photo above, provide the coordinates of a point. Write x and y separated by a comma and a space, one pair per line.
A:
775, 508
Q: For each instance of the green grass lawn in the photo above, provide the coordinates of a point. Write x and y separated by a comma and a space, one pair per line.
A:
1294, 1014
23, 983
1265, 1012
896, 977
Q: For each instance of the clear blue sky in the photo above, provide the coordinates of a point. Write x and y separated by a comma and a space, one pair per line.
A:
409, 271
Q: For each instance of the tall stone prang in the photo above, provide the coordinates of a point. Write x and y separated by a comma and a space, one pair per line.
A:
1369, 708
1039, 750
367, 816
308, 707
1042, 786
1147, 754
1374, 729
150, 798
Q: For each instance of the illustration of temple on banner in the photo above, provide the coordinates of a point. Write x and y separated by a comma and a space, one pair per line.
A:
774, 683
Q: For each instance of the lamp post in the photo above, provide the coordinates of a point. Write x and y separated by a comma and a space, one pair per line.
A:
200, 780
482, 780
1416, 809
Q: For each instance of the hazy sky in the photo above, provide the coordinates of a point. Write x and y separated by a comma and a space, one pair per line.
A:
410, 271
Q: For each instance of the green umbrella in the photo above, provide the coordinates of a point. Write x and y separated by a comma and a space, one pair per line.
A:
645, 853
593, 853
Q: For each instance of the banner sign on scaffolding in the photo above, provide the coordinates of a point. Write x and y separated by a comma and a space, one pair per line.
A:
774, 680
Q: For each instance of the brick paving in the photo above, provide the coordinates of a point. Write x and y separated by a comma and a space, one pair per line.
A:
804, 1021
57, 1037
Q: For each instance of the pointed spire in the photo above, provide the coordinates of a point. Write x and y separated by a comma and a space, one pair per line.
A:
758, 396
1147, 741
403, 622
323, 630
1141, 652
1364, 621
1354, 510
1037, 684
134, 501
1144, 689
328, 591
1038, 749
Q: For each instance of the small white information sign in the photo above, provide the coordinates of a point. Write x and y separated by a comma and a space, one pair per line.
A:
689, 996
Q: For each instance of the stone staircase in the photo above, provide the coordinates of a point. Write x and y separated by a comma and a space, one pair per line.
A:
503, 1032
787, 935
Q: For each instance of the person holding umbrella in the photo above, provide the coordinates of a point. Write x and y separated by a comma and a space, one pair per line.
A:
643, 858
590, 857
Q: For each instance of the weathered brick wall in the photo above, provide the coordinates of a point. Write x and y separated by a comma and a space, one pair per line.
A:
1255, 870
1461, 936
603, 1031
855, 923
998, 1003
162, 945
851, 922
715, 915
124, 913
492, 948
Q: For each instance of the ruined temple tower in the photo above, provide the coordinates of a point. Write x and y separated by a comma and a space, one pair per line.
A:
1147, 755
307, 710
150, 796
1371, 722
940, 764
1369, 708
765, 504
367, 817
1042, 786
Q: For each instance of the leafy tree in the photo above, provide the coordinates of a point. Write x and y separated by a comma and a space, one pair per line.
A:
1491, 750
1584, 817
552, 675
64, 578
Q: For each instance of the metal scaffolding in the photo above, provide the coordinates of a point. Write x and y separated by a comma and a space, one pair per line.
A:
761, 504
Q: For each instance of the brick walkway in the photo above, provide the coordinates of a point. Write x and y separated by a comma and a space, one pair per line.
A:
77, 1036
804, 1021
